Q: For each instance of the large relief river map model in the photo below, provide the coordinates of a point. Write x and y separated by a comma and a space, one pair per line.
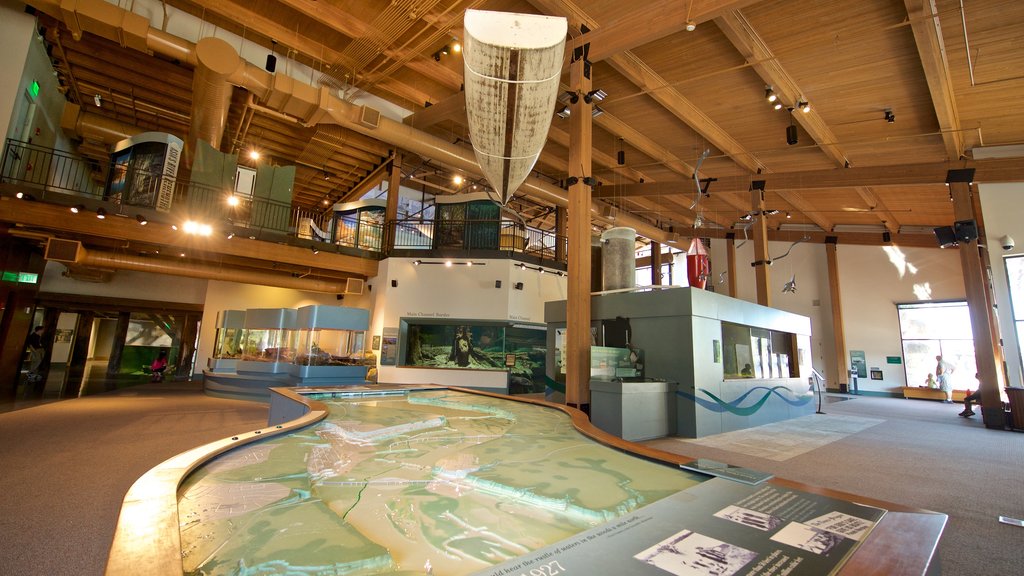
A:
420, 482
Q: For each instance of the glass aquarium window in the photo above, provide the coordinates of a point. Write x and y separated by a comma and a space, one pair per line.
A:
267, 345
757, 352
329, 347
473, 346
227, 343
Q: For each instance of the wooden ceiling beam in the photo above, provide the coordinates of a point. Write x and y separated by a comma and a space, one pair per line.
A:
646, 23
888, 219
930, 47
451, 108
1001, 170
753, 48
808, 209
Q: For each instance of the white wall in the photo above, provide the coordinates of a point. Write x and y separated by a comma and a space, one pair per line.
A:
872, 280
1003, 213
17, 31
234, 296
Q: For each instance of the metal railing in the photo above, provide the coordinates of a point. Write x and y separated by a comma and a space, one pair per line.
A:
53, 176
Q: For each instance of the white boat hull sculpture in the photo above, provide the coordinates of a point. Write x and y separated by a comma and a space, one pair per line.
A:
513, 63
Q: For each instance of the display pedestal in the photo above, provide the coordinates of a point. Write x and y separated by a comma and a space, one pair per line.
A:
633, 411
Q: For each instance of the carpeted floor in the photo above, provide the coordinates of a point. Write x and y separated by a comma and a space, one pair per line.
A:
918, 453
68, 464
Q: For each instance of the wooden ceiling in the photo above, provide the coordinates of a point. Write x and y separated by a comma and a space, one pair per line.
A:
953, 80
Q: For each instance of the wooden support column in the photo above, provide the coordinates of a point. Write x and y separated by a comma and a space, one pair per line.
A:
730, 258
391, 208
655, 264
838, 371
762, 276
978, 304
186, 356
117, 347
577, 385
75, 374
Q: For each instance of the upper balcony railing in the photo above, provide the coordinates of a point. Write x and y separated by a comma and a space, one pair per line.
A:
57, 177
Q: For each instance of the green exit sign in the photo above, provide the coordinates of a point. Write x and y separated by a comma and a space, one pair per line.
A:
9, 276
28, 277
33, 89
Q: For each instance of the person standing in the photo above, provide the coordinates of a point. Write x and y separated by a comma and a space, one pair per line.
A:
943, 370
36, 353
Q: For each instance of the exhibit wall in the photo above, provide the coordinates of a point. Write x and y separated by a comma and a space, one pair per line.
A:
17, 31
1003, 214
235, 296
460, 294
873, 280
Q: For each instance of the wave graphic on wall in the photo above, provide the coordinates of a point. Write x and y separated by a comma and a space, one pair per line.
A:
716, 404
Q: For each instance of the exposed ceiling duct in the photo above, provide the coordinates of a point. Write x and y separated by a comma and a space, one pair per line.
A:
92, 126
72, 253
307, 103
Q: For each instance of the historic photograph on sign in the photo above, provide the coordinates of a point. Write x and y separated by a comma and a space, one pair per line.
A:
808, 538
689, 553
844, 524
759, 520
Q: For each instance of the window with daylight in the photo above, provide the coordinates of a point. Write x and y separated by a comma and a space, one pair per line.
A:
930, 329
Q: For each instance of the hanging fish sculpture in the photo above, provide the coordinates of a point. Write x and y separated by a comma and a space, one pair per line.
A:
790, 286
512, 63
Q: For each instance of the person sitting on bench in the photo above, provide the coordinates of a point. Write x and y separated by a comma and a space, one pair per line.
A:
971, 398
159, 366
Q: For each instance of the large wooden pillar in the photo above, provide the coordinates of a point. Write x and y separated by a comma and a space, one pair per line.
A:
391, 208
655, 263
978, 303
730, 259
75, 374
117, 347
577, 385
762, 276
838, 371
560, 234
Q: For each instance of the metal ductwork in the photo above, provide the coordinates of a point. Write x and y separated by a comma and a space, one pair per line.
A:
289, 96
211, 91
72, 253
94, 126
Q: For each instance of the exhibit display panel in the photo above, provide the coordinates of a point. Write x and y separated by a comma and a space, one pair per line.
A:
267, 344
227, 343
330, 342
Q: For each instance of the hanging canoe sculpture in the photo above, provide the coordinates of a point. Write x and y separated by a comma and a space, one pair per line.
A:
512, 67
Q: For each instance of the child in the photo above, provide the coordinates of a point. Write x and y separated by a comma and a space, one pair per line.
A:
930, 381
158, 366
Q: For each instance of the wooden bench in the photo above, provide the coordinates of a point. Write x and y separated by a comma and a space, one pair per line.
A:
923, 393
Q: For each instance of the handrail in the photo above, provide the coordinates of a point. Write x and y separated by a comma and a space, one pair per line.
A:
59, 177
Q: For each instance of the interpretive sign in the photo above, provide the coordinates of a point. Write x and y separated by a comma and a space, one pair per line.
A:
717, 527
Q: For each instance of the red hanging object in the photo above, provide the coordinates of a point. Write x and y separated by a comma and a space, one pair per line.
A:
698, 266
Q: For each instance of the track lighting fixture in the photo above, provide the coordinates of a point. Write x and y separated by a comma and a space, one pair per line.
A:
456, 45
770, 94
564, 112
101, 213
233, 200
889, 116
78, 208
788, 216
141, 219
314, 249
691, 25
231, 235
596, 95
778, 105
597, 111
803, 106
457, 180
254, 154
98, 100
437, 56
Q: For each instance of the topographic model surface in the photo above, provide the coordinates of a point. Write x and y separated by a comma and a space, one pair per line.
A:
423, 482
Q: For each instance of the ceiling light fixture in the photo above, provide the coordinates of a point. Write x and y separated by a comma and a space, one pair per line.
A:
457, 180
231, 235
595, 95
98, 100
77, 208
770, 94
889, 116
691, 25
597, 111
564, 112
456, 45
788, 215
141, 219
254, 154
233, 200
101, 213
314, 249
803, 106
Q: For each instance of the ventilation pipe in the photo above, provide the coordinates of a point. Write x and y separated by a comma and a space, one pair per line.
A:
310, 104
211, 92
94, 126
115, 261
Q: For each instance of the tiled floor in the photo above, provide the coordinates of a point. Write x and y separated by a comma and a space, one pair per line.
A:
781, 441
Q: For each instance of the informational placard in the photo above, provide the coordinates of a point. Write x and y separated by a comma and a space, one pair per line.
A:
718, 527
